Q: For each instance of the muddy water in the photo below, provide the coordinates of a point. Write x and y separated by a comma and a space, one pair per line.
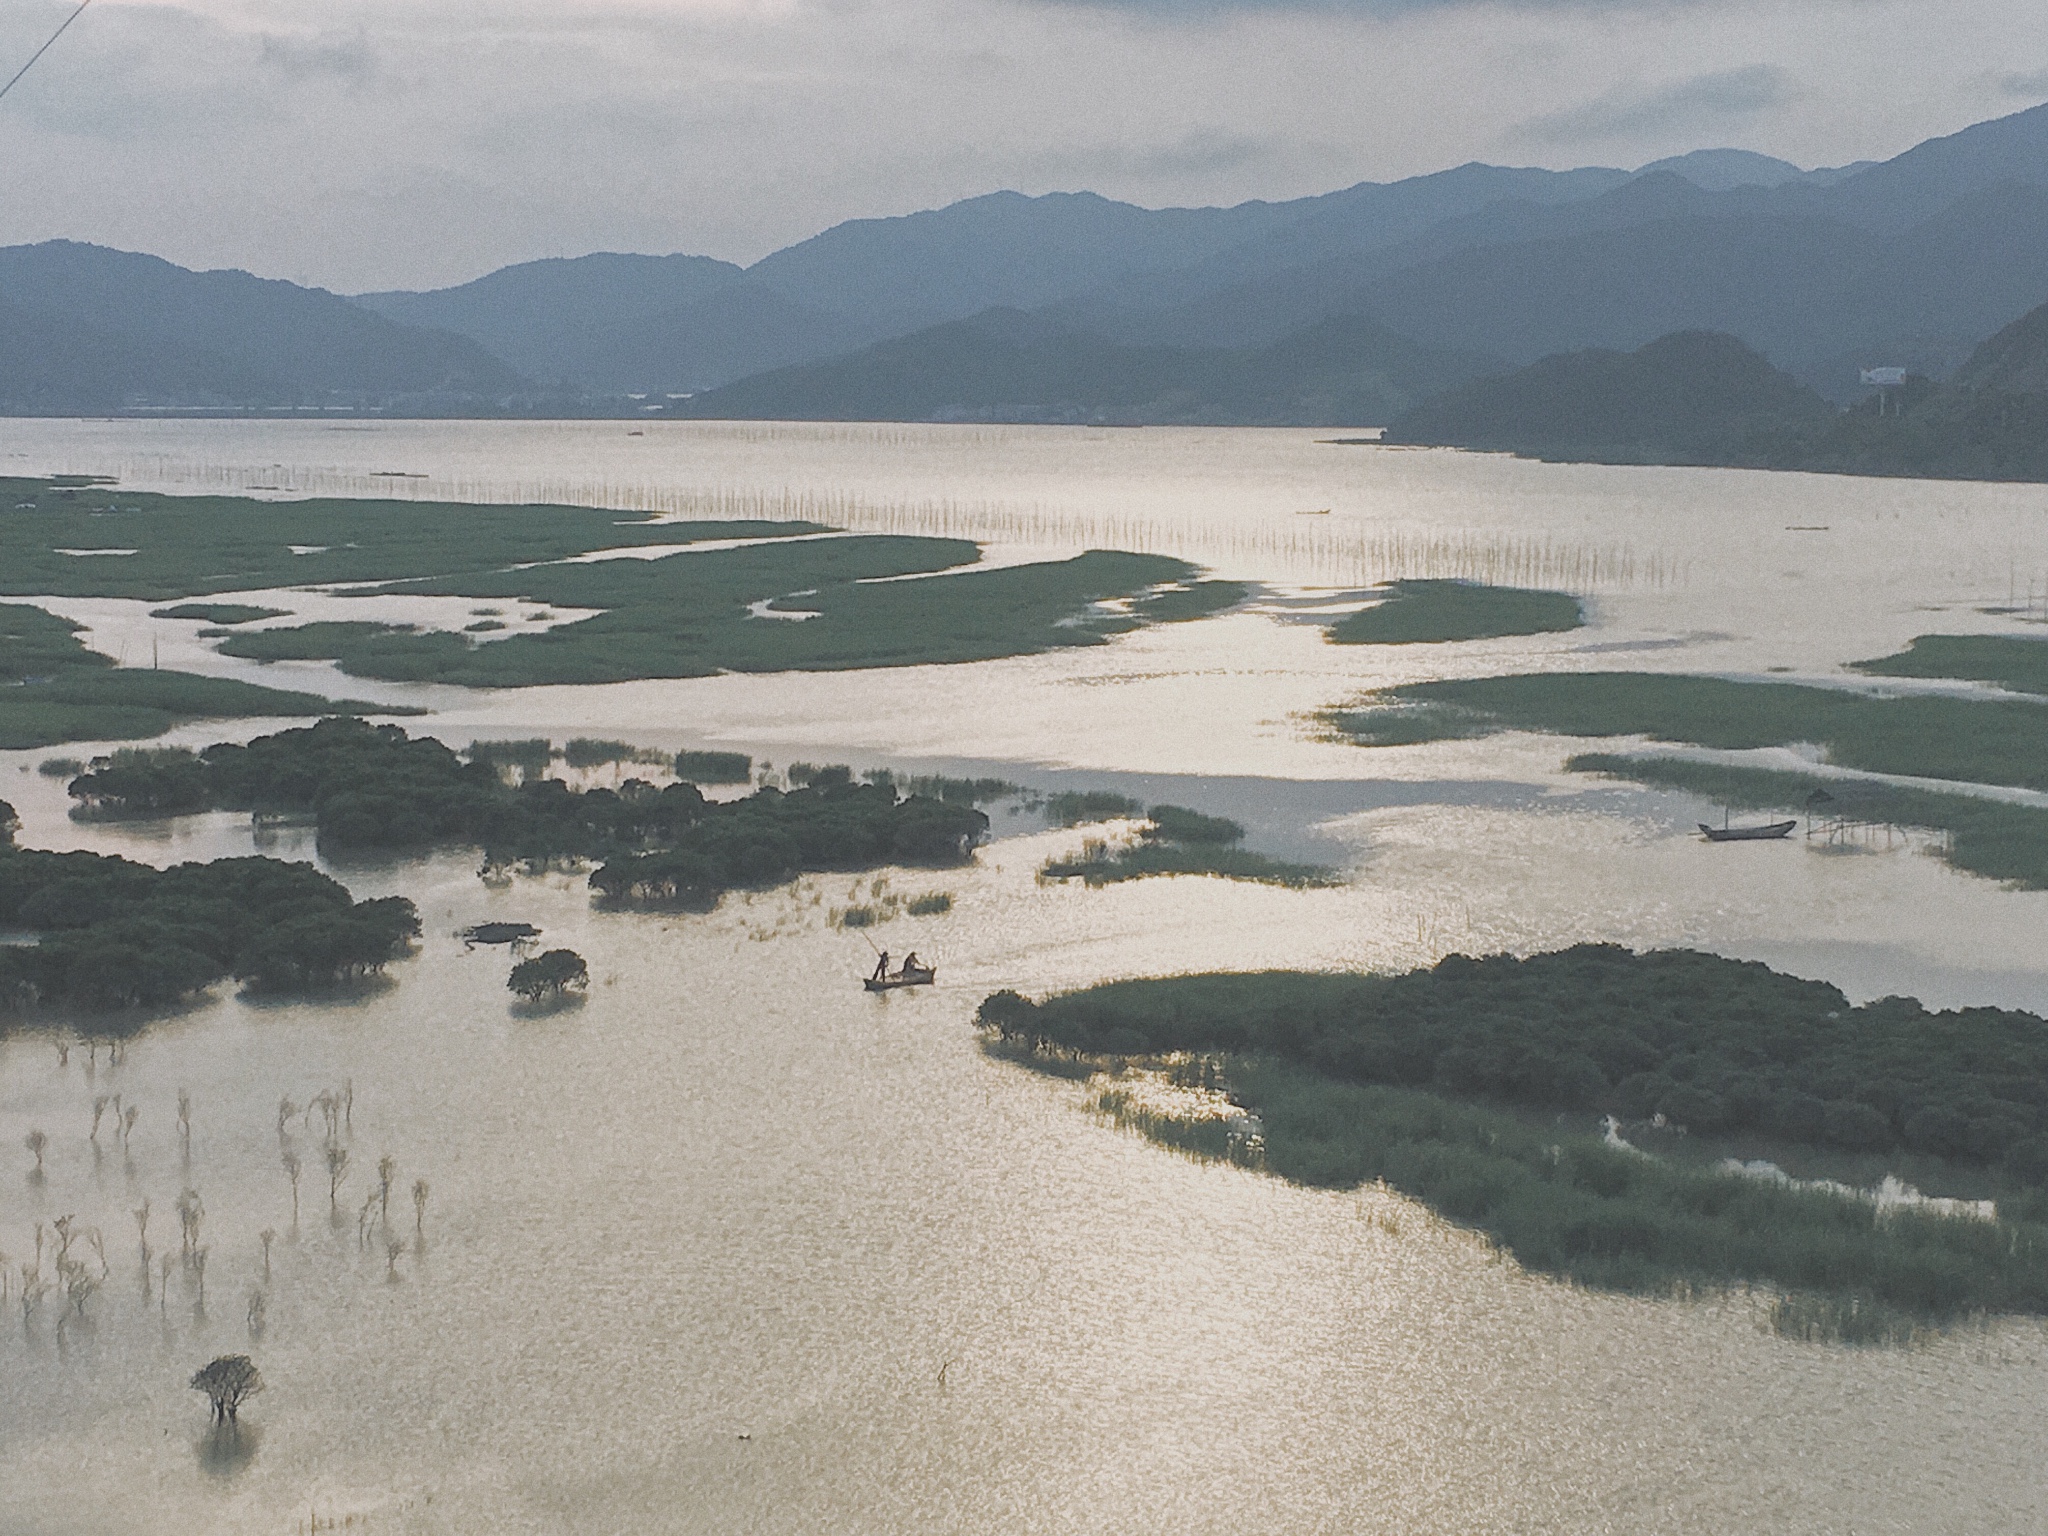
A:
733, 1247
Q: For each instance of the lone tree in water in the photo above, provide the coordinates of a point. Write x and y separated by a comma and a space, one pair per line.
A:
226, 1382
548, 975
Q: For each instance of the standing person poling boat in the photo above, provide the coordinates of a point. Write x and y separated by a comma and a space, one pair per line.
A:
913, 973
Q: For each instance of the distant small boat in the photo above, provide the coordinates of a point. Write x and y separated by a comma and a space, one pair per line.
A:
909, 976
1747, 834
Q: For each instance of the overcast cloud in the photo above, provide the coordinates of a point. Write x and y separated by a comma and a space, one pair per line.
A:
368, 143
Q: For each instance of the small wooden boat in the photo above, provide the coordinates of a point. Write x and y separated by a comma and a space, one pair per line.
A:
909, 976
1748, 834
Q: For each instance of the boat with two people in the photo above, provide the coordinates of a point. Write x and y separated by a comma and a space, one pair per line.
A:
913, 972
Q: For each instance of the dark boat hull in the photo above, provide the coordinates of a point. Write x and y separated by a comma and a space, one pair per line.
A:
1748, 834
921, 978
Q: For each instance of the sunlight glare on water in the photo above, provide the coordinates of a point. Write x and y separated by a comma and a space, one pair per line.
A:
733, 1247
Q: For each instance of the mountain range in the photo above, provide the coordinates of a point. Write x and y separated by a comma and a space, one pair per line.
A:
1698, 397
1345, 308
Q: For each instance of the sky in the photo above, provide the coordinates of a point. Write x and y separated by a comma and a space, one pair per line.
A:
366, 144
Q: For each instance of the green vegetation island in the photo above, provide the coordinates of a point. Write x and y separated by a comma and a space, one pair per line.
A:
1704, 398
1638, 1122
785, 598
1177, 841
377, 789
1417, 612
1981, 741
52, 689
111, 934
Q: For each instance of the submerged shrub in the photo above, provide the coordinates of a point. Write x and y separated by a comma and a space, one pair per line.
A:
549, 975
714, 767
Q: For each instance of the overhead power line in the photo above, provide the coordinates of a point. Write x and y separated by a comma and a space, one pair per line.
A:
31, 64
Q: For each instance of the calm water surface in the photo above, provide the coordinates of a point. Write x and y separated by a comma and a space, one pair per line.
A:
733, 1247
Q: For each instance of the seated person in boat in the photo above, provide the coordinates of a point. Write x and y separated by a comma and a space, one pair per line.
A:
911, 963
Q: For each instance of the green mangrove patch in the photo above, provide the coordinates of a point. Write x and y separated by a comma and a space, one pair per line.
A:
52, 689
1985, 837
1419, 612
2017, 662
115, 934
1986, 741
374, 788
714, 767
1474, 1086
218, 613
813, 605
1178, 841
1190, 600
192, 546
1564, 1202
775, 602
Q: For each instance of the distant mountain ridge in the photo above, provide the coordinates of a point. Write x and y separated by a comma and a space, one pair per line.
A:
87, 329
1701, 398
1911, 261
1827, 271
1687, 397
540, 316
1005, 365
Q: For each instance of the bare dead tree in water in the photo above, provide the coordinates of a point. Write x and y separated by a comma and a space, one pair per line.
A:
100, 1101
128, 1118
419, 1207
80, 1290
191, 1211
37, 1143
199, 1272
387, 1170
163, 1283
267, 1236
185, 1120
393, 1247
291, 1171
257, 1308
330, 1112
337, 1170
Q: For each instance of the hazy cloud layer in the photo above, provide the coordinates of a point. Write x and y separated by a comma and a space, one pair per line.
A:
373, 143
1714, 101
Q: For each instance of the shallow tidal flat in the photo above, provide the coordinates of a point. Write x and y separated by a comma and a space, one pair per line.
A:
729, 1195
